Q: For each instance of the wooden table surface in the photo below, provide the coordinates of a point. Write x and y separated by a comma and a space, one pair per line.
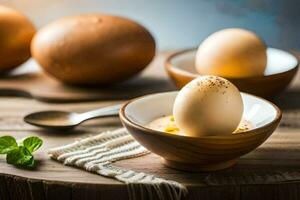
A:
270, 172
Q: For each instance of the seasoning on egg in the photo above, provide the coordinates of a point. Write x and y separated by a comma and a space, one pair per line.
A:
208, 105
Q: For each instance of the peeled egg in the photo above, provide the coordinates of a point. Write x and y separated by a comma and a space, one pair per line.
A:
232, 53
208, 105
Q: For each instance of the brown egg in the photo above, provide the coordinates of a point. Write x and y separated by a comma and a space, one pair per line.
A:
93, 49
16, 32
232, 53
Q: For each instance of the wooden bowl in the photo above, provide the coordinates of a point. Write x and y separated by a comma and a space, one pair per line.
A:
203, 153
281, 68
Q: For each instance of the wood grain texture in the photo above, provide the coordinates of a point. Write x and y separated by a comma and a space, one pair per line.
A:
40, 86
272, 171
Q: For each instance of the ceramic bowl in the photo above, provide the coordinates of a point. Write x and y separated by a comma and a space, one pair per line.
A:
281, 68
203, 153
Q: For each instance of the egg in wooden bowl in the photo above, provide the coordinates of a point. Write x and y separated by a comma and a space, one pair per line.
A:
239, 56
232, 53
150, 120
93, 49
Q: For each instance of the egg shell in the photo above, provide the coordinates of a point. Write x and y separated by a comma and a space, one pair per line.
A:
16, 33
232, 53
208, 105
93, 49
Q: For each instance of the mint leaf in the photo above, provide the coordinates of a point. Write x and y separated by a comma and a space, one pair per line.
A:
32, 143
7, 144
20, 157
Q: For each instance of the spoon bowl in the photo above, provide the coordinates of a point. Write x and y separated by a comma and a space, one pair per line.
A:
62, 120
51, 119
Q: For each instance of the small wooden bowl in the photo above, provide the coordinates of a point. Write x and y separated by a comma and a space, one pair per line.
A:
198, 154
281, 68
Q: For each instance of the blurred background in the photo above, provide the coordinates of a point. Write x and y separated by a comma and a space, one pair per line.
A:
179, 23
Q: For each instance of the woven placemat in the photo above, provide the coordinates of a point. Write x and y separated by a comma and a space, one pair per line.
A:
98, 153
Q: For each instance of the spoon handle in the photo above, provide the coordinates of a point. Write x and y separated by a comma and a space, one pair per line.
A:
102, 112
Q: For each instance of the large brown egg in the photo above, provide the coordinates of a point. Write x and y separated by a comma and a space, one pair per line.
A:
93, 49
16, 32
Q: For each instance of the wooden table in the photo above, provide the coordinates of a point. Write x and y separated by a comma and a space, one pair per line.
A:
270, 172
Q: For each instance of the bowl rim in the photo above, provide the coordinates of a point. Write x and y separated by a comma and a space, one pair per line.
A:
126, 120
170, 66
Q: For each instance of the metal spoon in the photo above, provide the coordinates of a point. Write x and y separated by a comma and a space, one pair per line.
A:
61, 120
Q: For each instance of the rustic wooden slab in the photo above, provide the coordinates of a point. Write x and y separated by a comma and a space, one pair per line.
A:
270, 172
40, 86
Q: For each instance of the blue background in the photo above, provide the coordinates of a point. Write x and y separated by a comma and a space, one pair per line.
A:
181, 24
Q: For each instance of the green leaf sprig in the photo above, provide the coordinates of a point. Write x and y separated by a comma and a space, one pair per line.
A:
20, 155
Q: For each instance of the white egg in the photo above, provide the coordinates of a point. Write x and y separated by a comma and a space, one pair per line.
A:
208, 105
